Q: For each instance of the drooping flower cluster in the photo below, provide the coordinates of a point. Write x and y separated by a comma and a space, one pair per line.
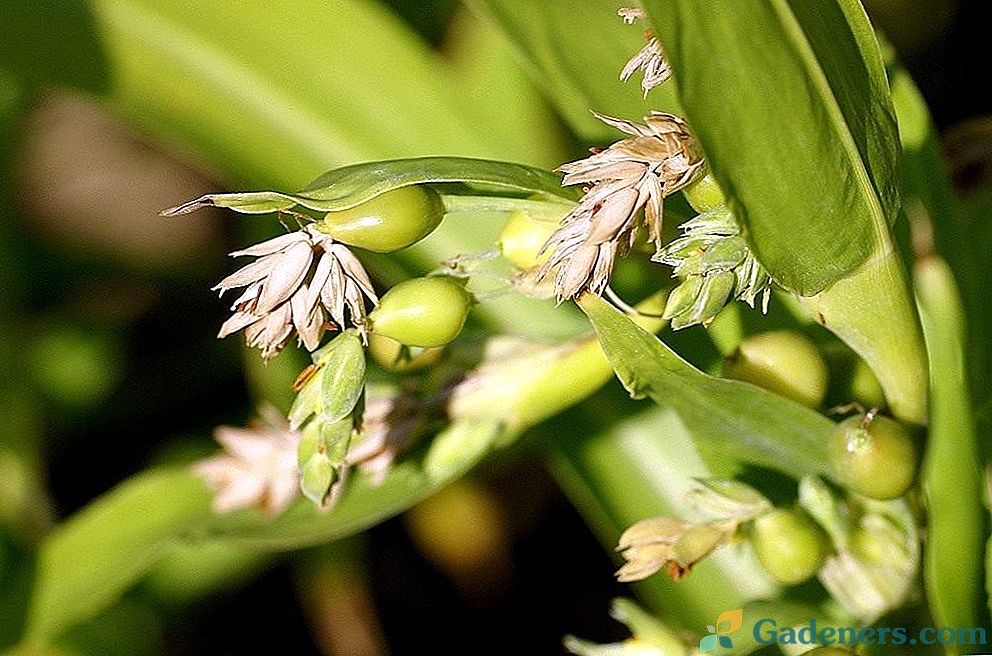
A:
299, 282
639, 172
257, 467
650, 59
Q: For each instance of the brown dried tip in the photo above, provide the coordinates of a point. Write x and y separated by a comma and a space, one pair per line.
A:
639, 172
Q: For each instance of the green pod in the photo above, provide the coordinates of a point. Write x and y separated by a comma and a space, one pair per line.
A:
388, 222
875, 458
725, 254
790, 546
522, 239
712, 297
423, 312
316, 478
310, 444
679, 249
783, 362
683, 298
342, 377
395, 357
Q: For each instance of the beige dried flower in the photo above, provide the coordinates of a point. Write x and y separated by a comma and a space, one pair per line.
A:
639, 172
299, 281
389, 426
670, 543
258, 467
650, 59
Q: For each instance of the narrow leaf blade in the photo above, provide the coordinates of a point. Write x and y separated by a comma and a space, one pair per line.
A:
752, 424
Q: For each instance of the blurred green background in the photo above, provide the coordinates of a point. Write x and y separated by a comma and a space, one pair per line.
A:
109, 359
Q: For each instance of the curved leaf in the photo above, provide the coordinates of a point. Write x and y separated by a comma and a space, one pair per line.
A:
348, 186
751, 424
780, 94
105, 548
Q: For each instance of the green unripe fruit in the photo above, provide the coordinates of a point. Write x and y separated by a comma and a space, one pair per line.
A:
393, 356
422, 312
522, 239
704, 194
388, 222
791, 547
876, 458
783, 362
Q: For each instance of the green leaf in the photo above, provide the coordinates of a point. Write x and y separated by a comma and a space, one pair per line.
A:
575, 52
747, 422
348, 186
105, 548
951, 475
276, 90
779, 94
871, 310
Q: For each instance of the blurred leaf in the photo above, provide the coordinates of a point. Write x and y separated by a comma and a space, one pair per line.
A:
128, 628
810, 103
102, 550
952, 472
53, 42
482, 57
575, 51
274, 91
751, 424
187, 572
644, 466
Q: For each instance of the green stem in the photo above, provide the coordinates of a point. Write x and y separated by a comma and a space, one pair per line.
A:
871, 311
553, 209
952, 473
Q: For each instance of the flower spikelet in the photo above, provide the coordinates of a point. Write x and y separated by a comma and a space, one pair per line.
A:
658, 159
650, 59
257, 468
300, 283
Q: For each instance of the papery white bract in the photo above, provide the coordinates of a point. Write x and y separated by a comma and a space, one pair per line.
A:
256, 469
639, 172
299, 282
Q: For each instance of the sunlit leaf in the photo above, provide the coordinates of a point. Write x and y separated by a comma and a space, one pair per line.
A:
798, 95
754, 425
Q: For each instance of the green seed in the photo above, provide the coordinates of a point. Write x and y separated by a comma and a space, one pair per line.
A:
388, 222
789, 545
393, 356
877, 460
523, 237
704, 194
783, 362
422, 312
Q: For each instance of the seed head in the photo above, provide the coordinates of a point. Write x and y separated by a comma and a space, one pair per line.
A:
650, 59
635, 173
300, 282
